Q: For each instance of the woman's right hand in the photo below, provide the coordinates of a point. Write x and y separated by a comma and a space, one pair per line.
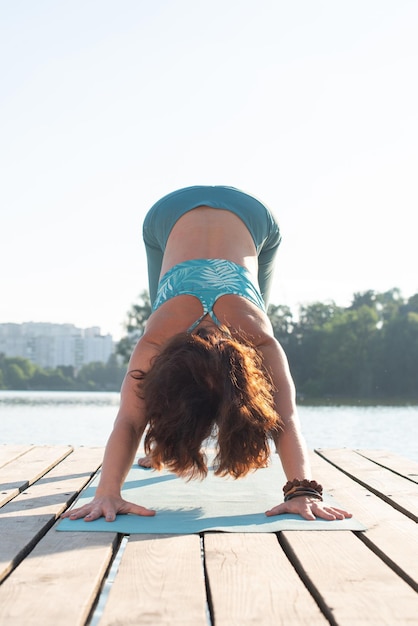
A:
107, 507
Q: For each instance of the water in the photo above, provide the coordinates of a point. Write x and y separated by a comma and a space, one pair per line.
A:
86, 419
57, 417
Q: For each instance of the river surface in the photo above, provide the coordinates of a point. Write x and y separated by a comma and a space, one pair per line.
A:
85, 418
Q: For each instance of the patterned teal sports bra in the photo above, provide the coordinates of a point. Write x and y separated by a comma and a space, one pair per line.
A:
207, 280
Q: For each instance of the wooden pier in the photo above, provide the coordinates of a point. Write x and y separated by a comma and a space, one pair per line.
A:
225, 579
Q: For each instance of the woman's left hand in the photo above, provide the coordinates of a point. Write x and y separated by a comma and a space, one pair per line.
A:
309, 509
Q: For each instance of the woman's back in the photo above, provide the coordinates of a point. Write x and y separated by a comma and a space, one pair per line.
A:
206, 233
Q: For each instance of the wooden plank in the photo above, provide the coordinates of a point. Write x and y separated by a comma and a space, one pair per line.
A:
9, 453
24, 520
349, 580
395, 463
27, 468
252, 582
59, 581
160, 582
389, 533
395, 489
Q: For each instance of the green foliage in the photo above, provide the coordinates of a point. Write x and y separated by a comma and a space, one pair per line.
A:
15, 372
368, 350
134, 326
398, 365
21, 374
282, 321
101, 376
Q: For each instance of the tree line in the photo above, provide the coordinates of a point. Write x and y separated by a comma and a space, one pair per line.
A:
18, 373
365, 351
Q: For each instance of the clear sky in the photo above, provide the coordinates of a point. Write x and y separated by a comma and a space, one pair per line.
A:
106, 105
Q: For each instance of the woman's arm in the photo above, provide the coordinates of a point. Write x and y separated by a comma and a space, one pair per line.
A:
290, 443
121, 447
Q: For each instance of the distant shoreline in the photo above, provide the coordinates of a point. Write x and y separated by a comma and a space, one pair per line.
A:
301, 400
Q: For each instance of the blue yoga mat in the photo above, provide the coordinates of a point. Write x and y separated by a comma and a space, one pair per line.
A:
214, 504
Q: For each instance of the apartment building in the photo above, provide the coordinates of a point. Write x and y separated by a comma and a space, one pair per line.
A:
50, 345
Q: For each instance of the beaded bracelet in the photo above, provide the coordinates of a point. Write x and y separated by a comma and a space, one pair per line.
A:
297, 488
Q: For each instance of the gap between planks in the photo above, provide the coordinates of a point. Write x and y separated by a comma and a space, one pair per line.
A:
29, 515
395, 489
27, 468
389, 533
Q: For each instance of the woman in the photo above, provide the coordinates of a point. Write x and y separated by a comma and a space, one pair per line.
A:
208, 361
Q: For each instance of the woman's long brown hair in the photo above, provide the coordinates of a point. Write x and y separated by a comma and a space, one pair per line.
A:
203, 381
